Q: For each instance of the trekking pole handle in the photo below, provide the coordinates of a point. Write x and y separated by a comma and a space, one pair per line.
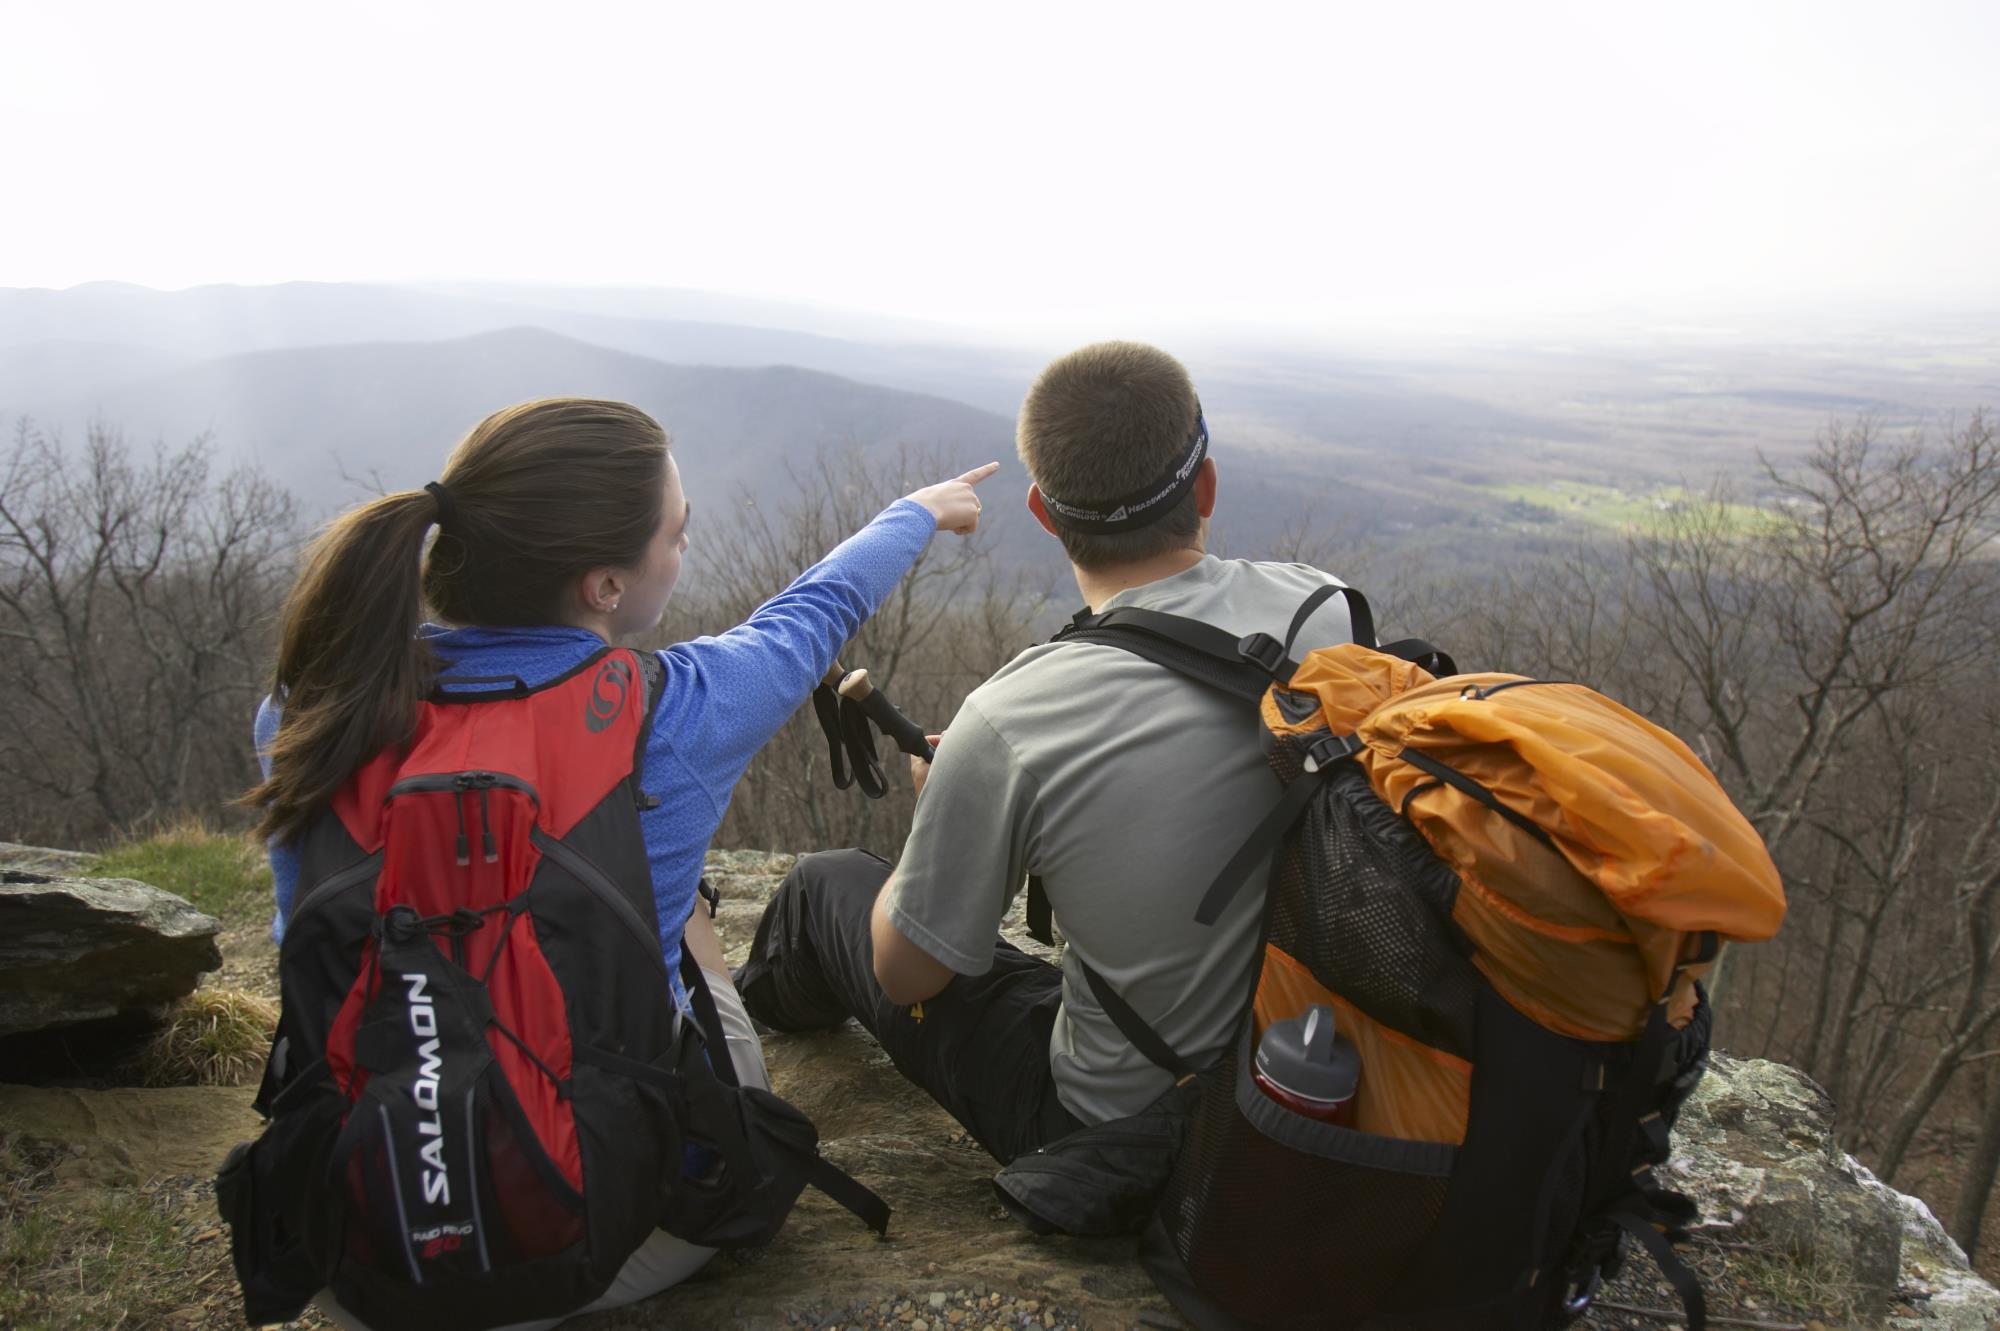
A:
908, 735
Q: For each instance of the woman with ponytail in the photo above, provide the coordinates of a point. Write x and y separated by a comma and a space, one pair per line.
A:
560, 527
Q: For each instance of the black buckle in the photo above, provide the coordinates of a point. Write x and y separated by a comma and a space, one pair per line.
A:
1330, 749
1263, 651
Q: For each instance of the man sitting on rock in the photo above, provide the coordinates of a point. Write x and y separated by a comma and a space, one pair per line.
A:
1123, 786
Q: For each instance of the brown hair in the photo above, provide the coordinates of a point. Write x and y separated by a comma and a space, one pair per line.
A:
538, 495
1102, 422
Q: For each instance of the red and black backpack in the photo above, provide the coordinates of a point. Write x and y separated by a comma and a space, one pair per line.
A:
482, 1096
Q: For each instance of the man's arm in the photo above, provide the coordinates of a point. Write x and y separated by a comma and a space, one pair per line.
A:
906, 972
939, 913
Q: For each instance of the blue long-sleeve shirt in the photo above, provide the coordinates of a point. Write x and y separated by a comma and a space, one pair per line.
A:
721, 699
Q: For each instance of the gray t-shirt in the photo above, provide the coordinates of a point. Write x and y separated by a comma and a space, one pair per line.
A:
1126, 787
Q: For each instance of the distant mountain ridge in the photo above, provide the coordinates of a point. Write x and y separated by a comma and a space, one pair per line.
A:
215, 321
392, 410
1422, 445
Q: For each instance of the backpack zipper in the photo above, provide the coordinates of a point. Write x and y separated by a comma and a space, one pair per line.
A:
464, 783
1481, 695
595, 879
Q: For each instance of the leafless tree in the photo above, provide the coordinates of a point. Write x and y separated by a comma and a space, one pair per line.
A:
135, 602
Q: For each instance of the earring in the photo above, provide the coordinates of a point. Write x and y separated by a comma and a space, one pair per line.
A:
612, 606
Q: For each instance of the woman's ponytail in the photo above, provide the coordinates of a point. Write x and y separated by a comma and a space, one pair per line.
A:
351, 666
534, 497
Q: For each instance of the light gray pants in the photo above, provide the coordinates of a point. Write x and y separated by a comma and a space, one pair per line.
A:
662, 1261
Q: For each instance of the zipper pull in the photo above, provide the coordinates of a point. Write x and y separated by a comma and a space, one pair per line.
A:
486, 841
458, 802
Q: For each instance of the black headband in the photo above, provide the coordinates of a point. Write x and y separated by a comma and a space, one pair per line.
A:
1141, 508
443, 497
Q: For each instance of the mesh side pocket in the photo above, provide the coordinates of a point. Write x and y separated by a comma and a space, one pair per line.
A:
1365, 905
1284, 1221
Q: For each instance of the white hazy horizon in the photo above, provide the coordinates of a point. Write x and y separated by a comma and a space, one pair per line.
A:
1037, 167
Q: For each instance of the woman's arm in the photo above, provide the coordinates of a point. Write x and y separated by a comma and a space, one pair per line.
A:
284, 857
724, 697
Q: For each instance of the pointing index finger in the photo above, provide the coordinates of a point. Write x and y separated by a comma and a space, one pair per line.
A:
978, 474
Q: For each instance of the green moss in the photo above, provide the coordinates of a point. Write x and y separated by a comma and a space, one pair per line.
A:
223, 873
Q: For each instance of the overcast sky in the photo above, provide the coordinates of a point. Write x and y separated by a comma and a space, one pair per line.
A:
1021, 163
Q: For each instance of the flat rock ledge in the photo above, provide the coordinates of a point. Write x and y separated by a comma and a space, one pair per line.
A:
78, 949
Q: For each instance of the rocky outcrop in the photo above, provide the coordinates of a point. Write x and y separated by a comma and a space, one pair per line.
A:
75, 950
1755, 1149
44, 859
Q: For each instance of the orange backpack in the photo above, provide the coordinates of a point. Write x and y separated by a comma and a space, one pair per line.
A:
1506, 891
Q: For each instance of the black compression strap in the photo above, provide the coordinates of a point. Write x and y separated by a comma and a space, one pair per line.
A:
1464, 784
1142, 507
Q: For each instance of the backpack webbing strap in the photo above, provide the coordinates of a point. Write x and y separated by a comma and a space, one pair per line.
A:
819, 1172
710, 1019
851, 1193
1133, 1026
1465, 785
1360, 619
1265, 838
1642, 1228
1421, 652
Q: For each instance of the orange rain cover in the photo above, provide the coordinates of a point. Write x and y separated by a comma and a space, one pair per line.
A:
1648, 847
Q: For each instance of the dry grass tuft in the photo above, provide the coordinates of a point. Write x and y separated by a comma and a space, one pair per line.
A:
213, 1037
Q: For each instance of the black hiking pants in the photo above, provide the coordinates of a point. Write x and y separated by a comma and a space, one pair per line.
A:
980, 1048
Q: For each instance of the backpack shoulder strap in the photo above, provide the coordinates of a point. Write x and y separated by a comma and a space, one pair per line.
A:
1243, 667
1187, 647
652, 674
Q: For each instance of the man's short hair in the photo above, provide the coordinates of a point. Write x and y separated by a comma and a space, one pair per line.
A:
1104, 421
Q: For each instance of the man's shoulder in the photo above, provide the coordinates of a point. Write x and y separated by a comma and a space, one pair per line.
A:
1247, 596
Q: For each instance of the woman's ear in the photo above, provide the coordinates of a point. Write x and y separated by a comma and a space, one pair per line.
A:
599, 590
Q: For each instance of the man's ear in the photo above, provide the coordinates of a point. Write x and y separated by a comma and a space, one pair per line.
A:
1204, 488
1040, 509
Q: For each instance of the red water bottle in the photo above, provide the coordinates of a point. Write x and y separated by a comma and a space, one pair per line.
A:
1306, 1066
